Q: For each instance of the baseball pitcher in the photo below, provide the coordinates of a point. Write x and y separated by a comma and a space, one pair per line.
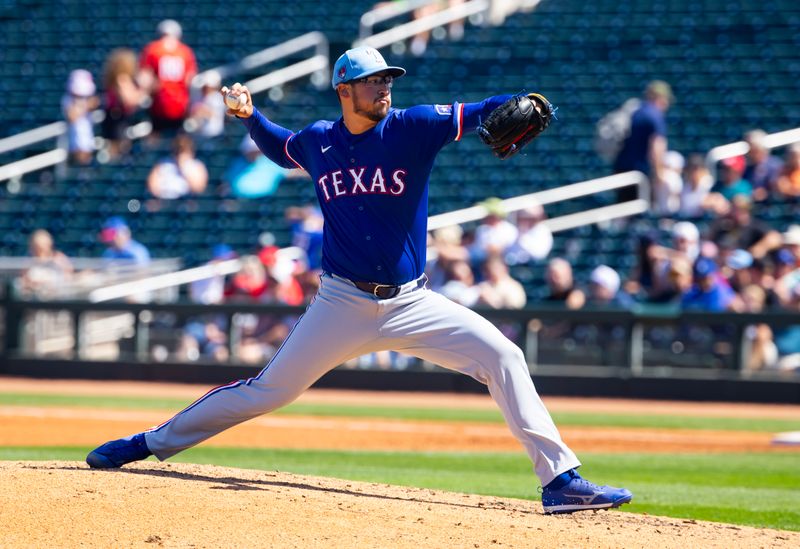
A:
371, 170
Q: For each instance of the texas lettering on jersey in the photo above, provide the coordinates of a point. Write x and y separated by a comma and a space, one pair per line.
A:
357, 181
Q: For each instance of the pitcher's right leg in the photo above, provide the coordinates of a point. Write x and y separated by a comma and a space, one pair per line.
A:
334, 328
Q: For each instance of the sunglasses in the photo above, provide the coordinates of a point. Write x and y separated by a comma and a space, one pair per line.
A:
376, 81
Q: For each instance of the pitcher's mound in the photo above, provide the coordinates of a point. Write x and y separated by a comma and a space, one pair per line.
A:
147, 504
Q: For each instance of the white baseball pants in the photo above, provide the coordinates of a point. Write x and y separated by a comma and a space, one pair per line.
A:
344, 322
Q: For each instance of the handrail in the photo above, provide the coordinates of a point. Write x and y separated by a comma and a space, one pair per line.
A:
318, 63
170, 280
592, 186
630, 320
739, 148
32, 164
167, 280
384, 13
29, 137
406, 30
314, 39
312, 65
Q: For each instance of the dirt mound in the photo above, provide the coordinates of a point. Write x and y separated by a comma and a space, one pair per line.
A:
66, 504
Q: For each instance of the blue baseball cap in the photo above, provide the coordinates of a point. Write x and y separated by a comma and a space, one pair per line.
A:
360, 62
739, 259
705, 266
111, 227
222, 251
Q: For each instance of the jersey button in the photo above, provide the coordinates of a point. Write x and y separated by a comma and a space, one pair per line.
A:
351, 147
361, 208
369, 237
379, 267
352, 160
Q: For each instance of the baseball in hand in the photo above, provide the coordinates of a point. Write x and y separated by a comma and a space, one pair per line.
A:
236, 103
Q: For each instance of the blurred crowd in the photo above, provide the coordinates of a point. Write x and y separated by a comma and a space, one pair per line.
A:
705, 252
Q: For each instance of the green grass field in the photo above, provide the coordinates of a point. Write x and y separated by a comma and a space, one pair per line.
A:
760, 489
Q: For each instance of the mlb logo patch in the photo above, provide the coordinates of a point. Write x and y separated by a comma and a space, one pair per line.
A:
342, 72
444, 110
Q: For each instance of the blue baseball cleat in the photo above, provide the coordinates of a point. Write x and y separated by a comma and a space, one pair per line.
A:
578, 494
117, 453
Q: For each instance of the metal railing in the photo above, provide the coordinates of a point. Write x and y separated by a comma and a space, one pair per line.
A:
739, 148
387, 12
567, 192
407, 30
630, 358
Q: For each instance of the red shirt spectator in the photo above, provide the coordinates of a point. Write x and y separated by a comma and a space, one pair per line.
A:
169, 66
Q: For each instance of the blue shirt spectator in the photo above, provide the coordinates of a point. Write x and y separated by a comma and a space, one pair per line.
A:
121, 246
306, 224
253, 175
762, 169
708, 293
731, 183
648, 126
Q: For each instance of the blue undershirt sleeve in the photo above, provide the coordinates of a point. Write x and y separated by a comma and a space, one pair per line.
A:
270, 138
475, 113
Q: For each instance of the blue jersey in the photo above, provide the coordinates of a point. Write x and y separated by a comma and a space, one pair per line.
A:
373, 187
647, 122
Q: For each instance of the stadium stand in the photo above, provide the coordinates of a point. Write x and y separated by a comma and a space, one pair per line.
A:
732, 66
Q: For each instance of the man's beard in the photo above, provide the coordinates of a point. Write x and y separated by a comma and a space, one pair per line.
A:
376, 112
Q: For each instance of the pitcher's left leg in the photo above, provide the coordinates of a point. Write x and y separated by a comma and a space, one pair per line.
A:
438, 330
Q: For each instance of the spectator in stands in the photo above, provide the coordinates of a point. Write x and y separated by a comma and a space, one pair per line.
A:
646, 144
534, 240
667, 189
180, 174
265, 278
731, 183
787, 270
495, 234
562, 285
48, 270
696, 188
642, 280
707, 293
686, 240
736, 269
282, 287
207, 113
762, 168
167, 69
121, 246
498, 290
763, 273
791, 243
306, 225
740, 230
763, 351
206, 336
460, 285
253, 175
447, 246
787, 339
681, 278
788, 182
121, 99
653, 280
250, 283
77, 105
604, 289
212, 290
